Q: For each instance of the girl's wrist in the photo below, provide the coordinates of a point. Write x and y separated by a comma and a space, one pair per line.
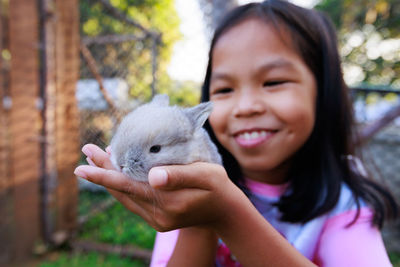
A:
234, 203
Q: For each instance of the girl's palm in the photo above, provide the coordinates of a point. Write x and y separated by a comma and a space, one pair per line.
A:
175, 197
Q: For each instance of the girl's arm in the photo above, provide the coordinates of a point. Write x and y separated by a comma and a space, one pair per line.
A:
199, 194
195, 247
251, 239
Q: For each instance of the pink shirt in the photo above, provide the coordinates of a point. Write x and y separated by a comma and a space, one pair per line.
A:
324, 240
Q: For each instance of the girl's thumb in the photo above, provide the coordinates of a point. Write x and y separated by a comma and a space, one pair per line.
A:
158, 177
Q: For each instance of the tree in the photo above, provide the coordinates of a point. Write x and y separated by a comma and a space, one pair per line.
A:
369, 39
130, 60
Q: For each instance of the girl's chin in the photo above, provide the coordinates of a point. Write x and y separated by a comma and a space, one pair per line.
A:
257, 168
262, 165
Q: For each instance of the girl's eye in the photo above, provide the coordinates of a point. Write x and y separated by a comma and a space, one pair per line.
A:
273, 83
225, 90
155, 149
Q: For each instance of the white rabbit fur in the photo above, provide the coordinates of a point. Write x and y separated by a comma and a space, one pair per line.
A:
156, 134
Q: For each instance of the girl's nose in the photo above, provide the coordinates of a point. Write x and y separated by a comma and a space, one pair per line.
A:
249, 104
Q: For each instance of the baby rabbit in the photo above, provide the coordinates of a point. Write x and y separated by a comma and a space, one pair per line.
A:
156, 134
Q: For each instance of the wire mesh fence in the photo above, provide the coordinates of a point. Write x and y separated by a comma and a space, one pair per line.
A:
119, 71
382, 156
381, 153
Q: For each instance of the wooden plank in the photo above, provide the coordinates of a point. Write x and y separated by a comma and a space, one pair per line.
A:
3, 121
6, 201
7, 227
128, 251
27, 220
61, 116
24, 120
50, 93
67, 60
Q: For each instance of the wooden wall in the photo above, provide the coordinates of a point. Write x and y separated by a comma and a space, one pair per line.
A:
66, 73
39, 132
4, 177
20, 190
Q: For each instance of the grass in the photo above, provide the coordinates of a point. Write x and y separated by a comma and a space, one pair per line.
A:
88, 200
116, 225
91, 259
395, 259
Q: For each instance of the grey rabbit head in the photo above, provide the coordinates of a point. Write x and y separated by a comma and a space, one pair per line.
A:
156, 134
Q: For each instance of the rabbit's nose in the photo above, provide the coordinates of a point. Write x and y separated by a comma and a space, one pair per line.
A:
135, 161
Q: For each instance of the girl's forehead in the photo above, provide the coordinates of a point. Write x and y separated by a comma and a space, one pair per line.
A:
253, 32
254, 28
256, 39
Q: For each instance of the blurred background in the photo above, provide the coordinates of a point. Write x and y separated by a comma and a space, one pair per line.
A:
70, 70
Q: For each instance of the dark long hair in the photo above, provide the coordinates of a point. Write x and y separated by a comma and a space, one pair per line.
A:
321, 166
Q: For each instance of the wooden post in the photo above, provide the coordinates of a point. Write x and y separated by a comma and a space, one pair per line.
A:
24, 127
6, 224
2, 113
3, 121
61, 117
67, 142
40, 140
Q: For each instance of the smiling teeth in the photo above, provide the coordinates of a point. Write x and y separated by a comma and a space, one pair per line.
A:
253, 135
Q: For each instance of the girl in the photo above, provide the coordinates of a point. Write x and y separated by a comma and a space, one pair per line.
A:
289, 193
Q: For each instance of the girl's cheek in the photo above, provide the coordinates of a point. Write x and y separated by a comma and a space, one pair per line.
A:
295, 107
213, 118
218, 115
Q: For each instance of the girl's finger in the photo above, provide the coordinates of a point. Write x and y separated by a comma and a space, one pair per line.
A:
195, 175
149, 211
115, 180
99, 157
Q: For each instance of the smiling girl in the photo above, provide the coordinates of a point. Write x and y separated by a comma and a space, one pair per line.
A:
289, 193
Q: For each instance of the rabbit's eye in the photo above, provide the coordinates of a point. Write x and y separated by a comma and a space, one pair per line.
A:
155, 149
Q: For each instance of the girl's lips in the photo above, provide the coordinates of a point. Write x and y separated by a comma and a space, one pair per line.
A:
253, 138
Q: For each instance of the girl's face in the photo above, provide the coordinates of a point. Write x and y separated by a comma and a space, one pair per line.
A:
264, 99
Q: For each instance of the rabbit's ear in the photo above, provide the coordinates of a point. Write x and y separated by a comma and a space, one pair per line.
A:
160, 100
199, 114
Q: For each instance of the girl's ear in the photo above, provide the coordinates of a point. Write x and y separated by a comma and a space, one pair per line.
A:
198, 114
160, 100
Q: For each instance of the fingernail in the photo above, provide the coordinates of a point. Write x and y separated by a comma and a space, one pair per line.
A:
80, 173
87, 151
158, 177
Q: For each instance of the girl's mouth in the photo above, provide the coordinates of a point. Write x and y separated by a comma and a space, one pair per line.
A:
253, 138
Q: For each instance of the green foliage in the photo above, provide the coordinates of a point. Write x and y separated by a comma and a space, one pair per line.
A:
117, 225
183, 93
88, 200
91, 259
132, 60
369, 39
395, 259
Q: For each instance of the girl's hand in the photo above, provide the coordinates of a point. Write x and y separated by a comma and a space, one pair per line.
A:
198, 194
176, 196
